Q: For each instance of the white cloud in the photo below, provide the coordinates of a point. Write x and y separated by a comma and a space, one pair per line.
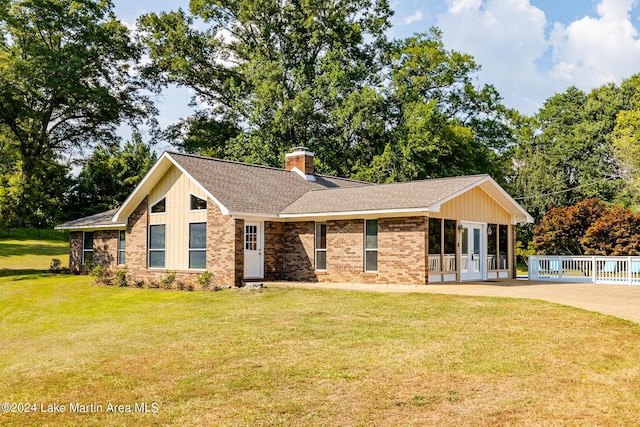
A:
592, 51
529, 59
416, 17
506, 37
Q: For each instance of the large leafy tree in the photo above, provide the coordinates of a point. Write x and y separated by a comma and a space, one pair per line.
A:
108, 176
66, 81
569, 154
440, 122
271, 75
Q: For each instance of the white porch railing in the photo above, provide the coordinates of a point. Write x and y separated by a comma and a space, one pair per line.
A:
589, 269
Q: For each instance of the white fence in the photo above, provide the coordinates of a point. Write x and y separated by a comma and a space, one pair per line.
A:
589, 269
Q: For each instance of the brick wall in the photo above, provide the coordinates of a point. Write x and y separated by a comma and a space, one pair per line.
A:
273, 250
75, 250
136, 239
105, 248
299, 251
225, 259
401, 251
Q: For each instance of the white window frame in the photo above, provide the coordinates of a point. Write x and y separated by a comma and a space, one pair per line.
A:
164, 250
317, 249
368, 250
204, 249
197, 197
84, 250
155, 203
122, 250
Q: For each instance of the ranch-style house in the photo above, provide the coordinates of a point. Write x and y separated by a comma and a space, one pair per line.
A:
245, 222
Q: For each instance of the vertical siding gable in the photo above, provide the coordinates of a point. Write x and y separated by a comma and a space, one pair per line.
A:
474, 205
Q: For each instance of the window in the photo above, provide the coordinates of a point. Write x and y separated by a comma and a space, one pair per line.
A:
503, 246
450, 230
435, 244
121, 247
87, 248
371, 245
492, 246
160, 206
251, 237
321, 246
196, 203
198, 245
156, 245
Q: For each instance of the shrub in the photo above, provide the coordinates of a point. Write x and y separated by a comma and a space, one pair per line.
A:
180, 285
100, 274
55, 265
204, 280
139, 284
167, 280
121, 278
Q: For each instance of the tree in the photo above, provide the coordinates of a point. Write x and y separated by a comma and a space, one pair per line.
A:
274, 75
66, 81
561, 229
109, 176
568, 155
615, 233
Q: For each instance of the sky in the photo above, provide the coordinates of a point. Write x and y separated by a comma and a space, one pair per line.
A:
528, 49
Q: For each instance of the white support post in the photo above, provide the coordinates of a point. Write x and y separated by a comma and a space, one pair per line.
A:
594, 270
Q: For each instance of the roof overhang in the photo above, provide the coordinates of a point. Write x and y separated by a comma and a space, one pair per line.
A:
155, 174
114, 226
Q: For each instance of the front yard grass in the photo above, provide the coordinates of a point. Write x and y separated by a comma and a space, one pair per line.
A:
308, 357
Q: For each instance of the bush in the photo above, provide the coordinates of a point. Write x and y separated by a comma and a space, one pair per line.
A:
167, 280
100, 274
180, 285
121, 278
139, 284
204, 280
55, 265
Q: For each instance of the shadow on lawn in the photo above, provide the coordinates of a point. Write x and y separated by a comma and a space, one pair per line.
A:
24, 274
12, 249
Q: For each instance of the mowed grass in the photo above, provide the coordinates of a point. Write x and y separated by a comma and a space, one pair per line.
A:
301, 357
309, 357
27, 249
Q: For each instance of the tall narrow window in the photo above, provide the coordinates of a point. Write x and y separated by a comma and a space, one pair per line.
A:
503, 246
196, 203
87, 248
321, 246
492, 246
435, 244
449, 259
157, 246
371, 245
160, 206
121, 247
198, 245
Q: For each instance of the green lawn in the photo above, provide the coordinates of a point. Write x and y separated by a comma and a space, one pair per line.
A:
307, 357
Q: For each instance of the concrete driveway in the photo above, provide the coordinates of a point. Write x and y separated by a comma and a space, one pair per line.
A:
617, 300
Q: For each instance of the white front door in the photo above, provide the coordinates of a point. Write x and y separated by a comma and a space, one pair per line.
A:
472, 256
252, 250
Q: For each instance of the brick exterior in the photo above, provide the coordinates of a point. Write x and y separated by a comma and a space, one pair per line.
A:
225, 258
401, 252
75, 251
299, 251
273, 250
136, 239
303, 162
105, 248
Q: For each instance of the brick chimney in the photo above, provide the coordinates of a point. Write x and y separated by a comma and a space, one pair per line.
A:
301, 159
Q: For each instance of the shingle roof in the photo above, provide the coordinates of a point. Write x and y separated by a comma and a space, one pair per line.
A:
241, 187
406, 195
102, 219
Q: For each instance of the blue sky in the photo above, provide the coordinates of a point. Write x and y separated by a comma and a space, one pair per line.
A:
528, 49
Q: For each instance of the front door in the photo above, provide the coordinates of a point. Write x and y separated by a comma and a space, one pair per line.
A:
252, 250
472, 252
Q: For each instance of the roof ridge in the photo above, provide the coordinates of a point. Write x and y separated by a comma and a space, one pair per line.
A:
235, 162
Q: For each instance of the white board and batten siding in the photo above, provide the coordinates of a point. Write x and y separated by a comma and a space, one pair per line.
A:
177, 188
